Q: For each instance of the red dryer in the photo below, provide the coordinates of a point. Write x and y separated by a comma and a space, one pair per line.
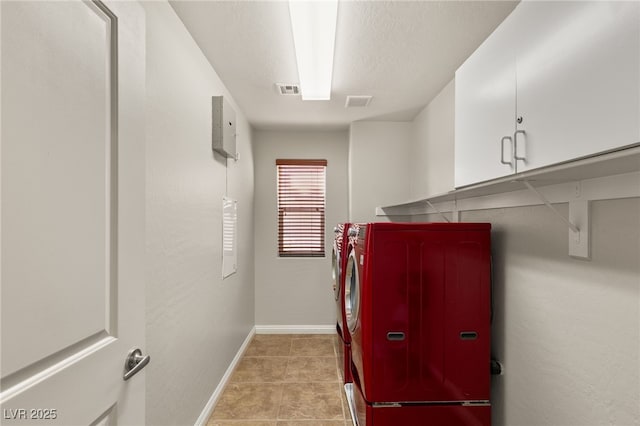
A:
418, 308
338, 264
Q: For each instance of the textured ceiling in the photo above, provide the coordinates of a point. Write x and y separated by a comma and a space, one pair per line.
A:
400, 52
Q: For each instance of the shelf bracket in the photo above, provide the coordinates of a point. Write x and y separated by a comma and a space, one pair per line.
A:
455, 213
578, 223
438, 211
579, 245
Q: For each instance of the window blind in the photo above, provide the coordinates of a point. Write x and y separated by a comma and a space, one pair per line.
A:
301, 207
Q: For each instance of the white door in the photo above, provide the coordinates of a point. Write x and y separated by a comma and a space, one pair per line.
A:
578, 68
485, 104
72, 213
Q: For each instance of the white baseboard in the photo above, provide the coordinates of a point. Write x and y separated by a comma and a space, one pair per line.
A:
211, 404
295, 329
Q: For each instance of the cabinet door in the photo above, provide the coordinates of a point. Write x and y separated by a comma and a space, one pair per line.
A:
485, 109
578, 79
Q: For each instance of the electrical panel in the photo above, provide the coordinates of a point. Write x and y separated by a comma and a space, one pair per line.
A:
224, 127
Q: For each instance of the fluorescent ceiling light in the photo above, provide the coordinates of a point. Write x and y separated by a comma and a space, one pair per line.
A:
314, 35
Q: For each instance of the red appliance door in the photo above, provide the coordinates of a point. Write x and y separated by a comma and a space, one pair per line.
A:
335, 275
339, 263
355, 307
437, 415
335, 270
429, 317
352, 291
419, 415
345, 251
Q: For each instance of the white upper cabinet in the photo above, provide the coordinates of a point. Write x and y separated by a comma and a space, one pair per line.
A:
576, 75
578, 79
485, 102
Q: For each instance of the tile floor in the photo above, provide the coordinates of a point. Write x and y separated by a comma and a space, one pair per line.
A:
285, 380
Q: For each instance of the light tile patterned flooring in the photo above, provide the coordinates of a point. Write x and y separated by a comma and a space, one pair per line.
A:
285, 380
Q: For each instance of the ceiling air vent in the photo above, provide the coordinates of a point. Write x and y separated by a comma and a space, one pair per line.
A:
288, 89
357, 101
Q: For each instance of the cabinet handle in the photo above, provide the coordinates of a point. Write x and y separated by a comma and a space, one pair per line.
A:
502, 149
515, 146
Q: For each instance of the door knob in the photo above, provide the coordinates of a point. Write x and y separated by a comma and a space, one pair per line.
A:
134, 363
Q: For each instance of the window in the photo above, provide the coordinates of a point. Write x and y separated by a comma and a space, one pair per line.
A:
301, 206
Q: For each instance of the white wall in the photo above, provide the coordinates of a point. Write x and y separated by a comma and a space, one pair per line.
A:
378, 167
567, 330
196, 321
296, 291
431, 150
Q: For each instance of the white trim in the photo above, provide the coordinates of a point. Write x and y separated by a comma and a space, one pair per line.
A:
579, 194
295, 329
211, 404
597, 189
52, 371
